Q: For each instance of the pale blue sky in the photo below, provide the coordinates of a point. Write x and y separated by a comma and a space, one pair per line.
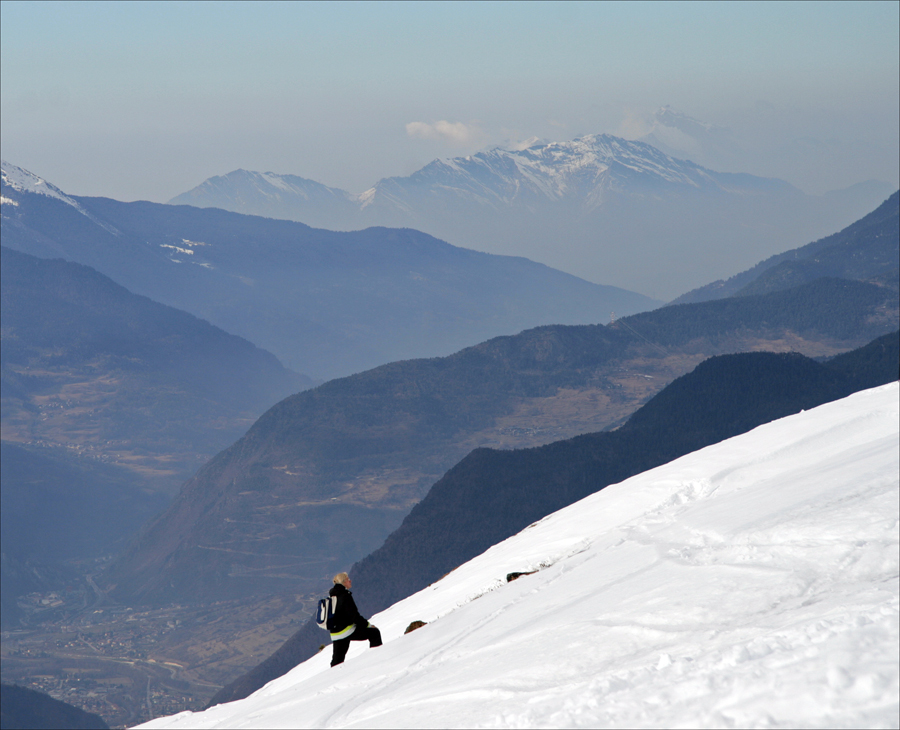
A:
145, 100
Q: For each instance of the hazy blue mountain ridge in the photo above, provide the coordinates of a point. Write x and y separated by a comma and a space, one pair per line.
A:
79, 313
628, 212
864, 250
326, 303
165, 375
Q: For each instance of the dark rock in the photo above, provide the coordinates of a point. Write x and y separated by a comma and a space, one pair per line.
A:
510, 577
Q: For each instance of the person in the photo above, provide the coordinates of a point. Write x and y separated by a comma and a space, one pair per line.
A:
351, 626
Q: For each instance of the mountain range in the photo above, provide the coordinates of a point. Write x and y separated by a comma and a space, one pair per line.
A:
617, 204
325, 303
328, 473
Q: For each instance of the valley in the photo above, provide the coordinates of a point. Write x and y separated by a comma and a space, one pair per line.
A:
131, 664
73, 414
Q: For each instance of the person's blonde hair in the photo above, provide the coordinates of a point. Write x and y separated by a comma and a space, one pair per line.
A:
340, 578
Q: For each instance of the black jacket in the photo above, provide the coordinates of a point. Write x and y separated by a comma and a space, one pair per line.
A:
346, 612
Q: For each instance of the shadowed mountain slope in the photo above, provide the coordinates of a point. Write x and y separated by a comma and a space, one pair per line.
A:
90, 366
25, 709
492, 494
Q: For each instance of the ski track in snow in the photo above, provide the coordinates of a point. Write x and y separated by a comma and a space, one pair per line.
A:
753, 583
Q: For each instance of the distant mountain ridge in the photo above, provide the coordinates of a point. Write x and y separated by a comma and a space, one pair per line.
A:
326, 303
269, 195
617, 204
581, 170
866, 249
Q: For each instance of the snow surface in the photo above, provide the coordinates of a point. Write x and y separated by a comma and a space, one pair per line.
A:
753, 583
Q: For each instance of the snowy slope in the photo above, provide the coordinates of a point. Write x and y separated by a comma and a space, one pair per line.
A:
753, 583
16, 180
24, 181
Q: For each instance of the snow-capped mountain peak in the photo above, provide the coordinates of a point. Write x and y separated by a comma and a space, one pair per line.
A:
24, 181
19, 180
580, 170
613, 201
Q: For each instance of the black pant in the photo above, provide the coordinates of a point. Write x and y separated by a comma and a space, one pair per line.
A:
361, 634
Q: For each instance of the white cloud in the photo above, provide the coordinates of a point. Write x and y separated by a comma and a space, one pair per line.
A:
454, 132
